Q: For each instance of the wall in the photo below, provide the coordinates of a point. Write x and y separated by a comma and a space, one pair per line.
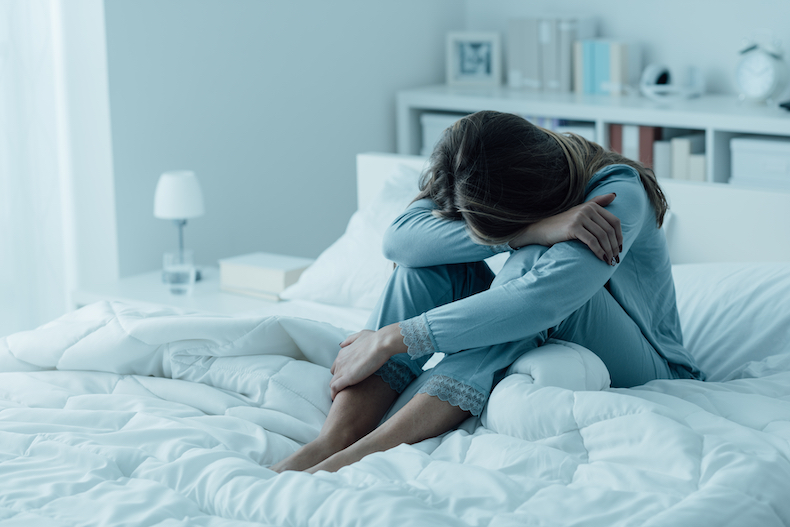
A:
678, 33
268, 102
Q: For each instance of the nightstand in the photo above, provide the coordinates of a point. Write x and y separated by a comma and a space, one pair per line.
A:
148, 289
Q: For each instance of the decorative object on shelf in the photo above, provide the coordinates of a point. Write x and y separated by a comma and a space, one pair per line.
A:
178, 197
657, 83
474, 59
761, 73
603, 66
262, 275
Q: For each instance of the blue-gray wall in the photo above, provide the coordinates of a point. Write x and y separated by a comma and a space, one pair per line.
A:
268, 102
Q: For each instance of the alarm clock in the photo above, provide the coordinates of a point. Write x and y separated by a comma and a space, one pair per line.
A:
761, 73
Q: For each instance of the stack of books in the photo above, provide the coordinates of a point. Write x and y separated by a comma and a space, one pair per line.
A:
604, 66
262, 275
671, 154
540, 52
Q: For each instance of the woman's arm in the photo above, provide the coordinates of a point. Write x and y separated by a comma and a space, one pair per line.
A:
565, 277
519, 308
417, 238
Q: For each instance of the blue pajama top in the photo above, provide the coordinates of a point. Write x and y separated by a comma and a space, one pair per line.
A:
565, 277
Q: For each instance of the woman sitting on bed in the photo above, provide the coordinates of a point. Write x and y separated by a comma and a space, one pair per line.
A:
589, 265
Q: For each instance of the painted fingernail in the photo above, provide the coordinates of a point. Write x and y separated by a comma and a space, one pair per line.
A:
617, 258
621, 248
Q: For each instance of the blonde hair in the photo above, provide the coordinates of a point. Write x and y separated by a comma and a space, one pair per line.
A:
500, 173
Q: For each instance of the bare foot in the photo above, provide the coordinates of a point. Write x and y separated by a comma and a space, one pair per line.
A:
307, 456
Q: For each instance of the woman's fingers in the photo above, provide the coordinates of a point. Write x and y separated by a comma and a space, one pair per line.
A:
604, 199
607, 235
589, 239
614, 221
351, 338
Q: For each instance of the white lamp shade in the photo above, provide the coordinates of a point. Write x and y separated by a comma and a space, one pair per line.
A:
178, 196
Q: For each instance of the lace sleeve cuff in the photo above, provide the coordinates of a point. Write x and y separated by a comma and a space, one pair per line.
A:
417, 336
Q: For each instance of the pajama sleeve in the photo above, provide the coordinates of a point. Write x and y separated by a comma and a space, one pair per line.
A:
565, 277
417, 238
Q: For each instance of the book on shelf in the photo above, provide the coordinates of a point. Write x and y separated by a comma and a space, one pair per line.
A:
605, 66
540, 51
584, 130
662, 159
682, 148
262, 275
696, 167
581, 128
634, 142
549, 54
523, 57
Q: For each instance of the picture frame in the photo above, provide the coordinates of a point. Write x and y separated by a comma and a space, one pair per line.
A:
474, 59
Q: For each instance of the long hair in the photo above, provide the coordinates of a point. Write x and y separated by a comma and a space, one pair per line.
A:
499, 173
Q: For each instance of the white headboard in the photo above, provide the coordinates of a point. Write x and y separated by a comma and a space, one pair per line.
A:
710, 222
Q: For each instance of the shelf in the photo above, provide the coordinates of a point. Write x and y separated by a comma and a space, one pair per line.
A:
721, 117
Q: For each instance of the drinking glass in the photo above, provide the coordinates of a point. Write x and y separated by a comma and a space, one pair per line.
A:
178, 272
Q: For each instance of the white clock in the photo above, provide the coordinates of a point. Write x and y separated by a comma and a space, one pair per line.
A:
761, 73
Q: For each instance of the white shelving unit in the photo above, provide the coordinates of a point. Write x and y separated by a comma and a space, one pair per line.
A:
721, 117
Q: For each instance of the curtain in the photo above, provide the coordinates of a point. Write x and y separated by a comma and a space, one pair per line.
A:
35, 276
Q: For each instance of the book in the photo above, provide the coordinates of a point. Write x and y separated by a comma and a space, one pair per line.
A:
578, 67
696, 167
601, 66
682, 147
586, 131
624, 67
605, 66
588, 66
631, 142
648, 135
548, 43
524, 57
662, 159
616, 138
260, 274
569, 31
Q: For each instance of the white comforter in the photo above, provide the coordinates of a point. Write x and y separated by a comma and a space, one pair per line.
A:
116, 416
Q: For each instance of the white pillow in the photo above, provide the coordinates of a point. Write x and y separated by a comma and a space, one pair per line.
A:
733, 313
352, 271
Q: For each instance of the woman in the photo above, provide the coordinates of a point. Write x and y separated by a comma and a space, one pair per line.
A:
589, 265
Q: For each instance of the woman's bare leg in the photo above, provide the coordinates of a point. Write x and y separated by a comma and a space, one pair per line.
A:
423, 417
354, 413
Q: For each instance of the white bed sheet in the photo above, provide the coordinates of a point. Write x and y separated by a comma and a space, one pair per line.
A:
116, 415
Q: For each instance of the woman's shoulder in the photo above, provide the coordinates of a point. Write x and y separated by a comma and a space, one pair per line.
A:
613, 176
618, 169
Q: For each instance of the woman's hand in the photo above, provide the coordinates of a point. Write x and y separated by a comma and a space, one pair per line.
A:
590, 223
361, 354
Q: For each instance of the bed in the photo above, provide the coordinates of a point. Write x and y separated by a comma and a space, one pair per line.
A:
118, 414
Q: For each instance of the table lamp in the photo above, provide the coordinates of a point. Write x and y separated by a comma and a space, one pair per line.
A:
178, 197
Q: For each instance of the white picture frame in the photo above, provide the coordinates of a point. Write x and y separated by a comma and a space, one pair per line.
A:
474, 59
